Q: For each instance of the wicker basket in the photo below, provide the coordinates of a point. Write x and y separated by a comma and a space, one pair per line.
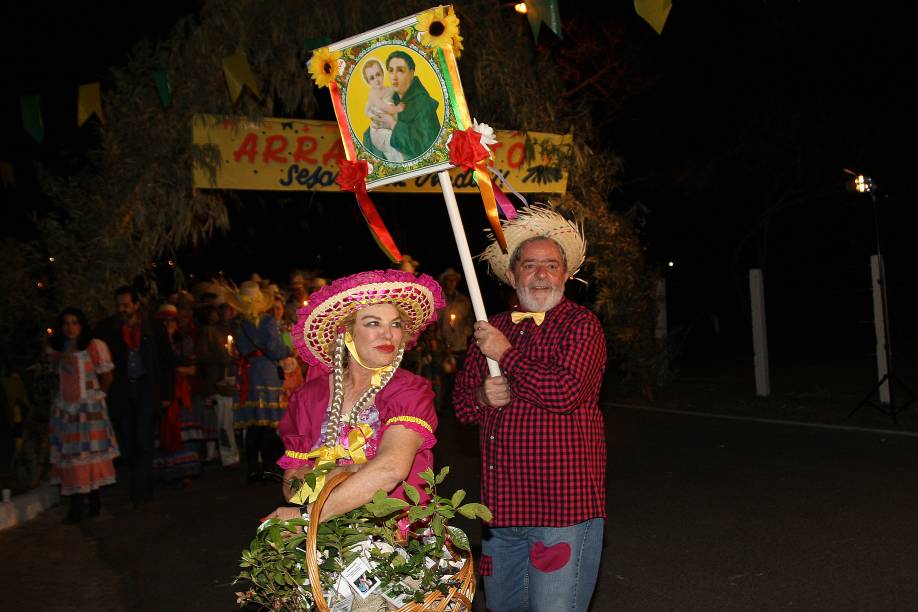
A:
458, 598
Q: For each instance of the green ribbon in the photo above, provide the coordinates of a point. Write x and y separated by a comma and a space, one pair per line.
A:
163, 87
449, 88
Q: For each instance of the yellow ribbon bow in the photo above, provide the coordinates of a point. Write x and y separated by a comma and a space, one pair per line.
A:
517, 316
325, 455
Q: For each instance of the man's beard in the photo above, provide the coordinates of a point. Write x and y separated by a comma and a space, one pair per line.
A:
530, 302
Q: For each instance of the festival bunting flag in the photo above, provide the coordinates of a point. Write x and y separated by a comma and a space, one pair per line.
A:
238, 75
30, 106
543, 11
654, 12
314, 43
89, 103
163, 87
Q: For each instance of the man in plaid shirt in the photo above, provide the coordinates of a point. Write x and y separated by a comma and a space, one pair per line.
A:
541, 431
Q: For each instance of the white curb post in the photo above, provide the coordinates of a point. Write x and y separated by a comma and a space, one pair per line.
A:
880, 327
465, 256
662, 330
759, 333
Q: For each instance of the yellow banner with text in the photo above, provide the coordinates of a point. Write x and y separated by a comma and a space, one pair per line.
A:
297, 155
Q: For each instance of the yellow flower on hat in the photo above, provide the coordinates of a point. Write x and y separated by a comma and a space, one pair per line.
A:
439, 27
323, 66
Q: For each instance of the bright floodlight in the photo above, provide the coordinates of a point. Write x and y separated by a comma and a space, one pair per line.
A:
863, 184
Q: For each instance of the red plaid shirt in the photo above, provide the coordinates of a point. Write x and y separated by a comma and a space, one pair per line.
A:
543, 456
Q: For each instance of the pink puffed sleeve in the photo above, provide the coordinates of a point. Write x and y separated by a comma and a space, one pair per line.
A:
298, 429
100, 355
408, 401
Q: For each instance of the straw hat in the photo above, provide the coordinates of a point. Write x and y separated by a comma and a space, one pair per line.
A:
536, 221
314, 335
249, 300
447, 273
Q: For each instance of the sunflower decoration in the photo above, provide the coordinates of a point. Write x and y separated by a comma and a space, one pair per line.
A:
323, 66
439, 27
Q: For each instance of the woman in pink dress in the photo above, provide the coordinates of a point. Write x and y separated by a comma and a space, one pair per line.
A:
82, 441
357, 409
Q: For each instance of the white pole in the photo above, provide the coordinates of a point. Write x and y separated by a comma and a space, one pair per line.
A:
662, 331
465, 256
759, 333
879, 326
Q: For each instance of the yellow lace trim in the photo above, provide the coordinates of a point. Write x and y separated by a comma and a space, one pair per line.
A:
410, 419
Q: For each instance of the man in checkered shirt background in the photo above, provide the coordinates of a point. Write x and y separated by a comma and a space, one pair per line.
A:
540, 428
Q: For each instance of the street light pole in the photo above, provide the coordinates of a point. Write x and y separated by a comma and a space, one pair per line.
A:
885, 373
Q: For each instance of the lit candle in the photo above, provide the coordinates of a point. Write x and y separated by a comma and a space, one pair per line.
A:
229, 351
452, 319
305, 302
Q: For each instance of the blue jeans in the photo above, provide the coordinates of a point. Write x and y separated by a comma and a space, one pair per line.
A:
542, 569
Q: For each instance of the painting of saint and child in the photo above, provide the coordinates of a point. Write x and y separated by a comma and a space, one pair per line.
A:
395, 104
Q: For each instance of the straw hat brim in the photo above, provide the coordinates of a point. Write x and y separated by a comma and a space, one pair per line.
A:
250, 306
536, 221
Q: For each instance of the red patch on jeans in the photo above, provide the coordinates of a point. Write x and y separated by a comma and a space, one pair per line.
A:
550, 558
484, 565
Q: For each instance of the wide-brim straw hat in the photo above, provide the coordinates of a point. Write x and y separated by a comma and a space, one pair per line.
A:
249, 300
419, 297
536, 220
447, 273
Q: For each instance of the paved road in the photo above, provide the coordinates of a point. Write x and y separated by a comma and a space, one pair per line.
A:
705, 514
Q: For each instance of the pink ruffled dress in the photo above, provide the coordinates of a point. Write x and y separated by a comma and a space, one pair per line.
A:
407, 401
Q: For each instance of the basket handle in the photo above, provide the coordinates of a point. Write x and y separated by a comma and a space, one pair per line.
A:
312, 534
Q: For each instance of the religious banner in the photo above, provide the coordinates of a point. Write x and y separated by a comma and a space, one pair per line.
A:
296, 155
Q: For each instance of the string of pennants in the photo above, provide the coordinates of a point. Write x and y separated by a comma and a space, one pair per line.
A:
236, 69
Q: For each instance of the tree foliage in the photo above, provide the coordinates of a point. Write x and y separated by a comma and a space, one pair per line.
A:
133, 200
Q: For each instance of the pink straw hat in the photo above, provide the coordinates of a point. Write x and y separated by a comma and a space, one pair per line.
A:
419, 297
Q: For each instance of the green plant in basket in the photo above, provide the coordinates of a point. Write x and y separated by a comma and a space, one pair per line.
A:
409, 546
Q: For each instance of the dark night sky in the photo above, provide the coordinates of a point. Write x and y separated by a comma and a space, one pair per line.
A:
748, 94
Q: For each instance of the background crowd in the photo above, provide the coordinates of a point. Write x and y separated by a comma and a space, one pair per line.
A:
199, 376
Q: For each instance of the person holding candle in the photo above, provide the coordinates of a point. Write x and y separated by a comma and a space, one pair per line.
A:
454, 328
259, 402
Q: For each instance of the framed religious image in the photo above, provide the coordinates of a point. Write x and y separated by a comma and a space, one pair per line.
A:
397, 95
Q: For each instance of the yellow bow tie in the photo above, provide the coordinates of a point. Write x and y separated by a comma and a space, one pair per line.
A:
517, 316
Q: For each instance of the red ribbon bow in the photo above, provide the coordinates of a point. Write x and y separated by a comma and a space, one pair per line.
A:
244, 365
466, 150
352, 176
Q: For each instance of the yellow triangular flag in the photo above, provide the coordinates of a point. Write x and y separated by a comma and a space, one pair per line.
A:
89, 103
238, 73
7, 176
654, 12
